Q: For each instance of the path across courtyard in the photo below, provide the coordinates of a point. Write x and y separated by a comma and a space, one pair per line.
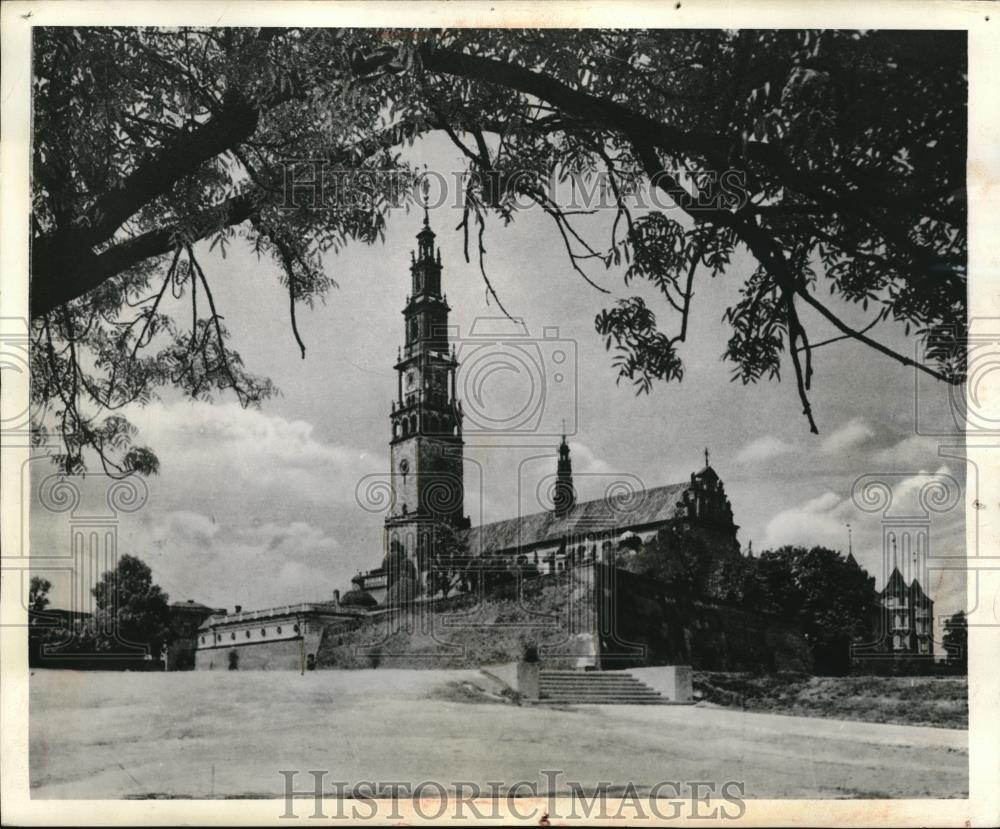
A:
226, 734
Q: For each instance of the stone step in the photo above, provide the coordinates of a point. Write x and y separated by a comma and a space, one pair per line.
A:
558, 692
605, 688
595, 693
622, 687
605, 701
568, 687
590, 677
593, 683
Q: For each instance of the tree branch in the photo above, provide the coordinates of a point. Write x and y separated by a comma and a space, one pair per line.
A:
860, 337
53, 284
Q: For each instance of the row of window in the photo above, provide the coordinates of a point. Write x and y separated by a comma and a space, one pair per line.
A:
218, 637
441, 425
899, 642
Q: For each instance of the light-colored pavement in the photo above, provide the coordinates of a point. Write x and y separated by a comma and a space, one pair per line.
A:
112, 735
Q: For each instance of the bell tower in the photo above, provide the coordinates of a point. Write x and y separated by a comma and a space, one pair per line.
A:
426, 416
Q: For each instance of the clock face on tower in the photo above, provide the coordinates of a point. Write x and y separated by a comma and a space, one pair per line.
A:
404, 466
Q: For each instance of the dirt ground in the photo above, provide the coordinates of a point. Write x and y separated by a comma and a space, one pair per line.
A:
229, 734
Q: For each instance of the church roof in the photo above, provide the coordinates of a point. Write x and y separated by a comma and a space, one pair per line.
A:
633, 509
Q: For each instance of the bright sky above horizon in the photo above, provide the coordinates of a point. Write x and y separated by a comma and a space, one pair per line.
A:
259, 508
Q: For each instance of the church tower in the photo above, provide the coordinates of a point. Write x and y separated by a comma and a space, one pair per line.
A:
426, 416
564, 497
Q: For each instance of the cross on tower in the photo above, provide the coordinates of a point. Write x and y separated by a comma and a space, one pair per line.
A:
425, 188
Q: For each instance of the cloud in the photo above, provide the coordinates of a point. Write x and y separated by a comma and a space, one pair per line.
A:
183, 526
912, 453
907, 495
585, 461
256, 564
763, 449
249, 508
818, 521
219, 447
822, 521
853, 433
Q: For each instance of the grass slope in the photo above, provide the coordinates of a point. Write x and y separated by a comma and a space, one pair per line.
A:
933, 701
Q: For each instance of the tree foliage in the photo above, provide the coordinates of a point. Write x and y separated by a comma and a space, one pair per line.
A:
835, 158
447, 561
831, 598
40, 630
956, 642
130, 609
677, 556
38, 594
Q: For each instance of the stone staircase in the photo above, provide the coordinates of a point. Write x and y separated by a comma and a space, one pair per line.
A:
596, 688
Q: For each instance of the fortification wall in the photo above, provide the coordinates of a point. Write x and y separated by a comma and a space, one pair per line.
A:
589, 615
277, 655
645, 622
554, 612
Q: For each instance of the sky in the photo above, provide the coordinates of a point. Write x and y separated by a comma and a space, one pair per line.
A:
265, 507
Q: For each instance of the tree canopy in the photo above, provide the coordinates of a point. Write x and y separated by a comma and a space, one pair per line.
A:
829, 596
956, 642
131, 610
836, 159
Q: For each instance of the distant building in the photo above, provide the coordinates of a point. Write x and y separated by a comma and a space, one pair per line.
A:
907, 617
285, 637
185, 619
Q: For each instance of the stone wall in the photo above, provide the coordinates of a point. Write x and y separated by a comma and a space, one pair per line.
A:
277, 655
646, 622
587, 616
556, 613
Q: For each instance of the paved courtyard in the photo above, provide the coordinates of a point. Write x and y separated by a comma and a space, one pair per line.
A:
205, 734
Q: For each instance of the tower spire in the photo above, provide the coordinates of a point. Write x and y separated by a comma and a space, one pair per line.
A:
564, 498
706, 457
425, 188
